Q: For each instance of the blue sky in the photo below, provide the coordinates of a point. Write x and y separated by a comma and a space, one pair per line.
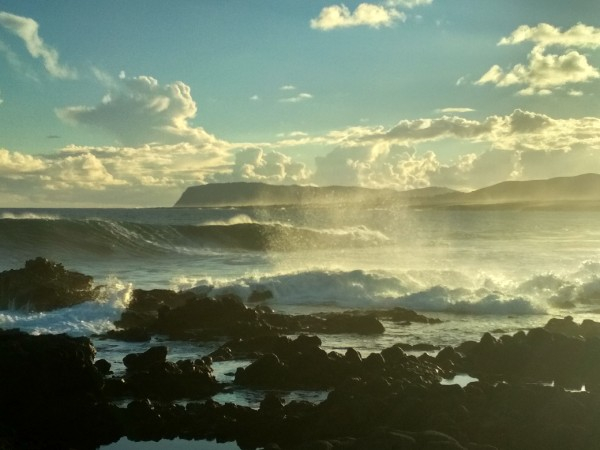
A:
126, 103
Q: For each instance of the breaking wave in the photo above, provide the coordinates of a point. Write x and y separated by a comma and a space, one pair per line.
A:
107, 237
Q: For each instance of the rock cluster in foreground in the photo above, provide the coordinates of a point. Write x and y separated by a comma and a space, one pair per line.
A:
55, 395
190, 316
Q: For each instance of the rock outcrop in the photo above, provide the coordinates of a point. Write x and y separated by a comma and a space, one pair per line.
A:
44, 285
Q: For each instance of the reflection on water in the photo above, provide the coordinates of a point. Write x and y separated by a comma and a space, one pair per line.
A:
170, 444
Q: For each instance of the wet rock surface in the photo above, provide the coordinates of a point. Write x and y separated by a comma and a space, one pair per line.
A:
56, 395
189, 316
44, 285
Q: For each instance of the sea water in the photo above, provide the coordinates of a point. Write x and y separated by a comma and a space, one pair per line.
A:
479, 271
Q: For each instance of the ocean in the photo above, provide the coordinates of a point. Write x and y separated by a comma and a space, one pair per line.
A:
478, 270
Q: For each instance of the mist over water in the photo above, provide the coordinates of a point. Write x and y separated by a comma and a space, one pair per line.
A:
502, 266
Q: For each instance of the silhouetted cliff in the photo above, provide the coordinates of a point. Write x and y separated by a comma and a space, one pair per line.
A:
261, 194
578, 191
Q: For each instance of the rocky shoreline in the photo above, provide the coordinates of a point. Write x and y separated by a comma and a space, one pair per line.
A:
538, 389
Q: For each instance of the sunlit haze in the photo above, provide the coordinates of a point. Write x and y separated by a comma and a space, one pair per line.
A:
106, 103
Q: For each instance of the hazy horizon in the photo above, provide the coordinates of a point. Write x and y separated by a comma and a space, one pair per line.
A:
129, 103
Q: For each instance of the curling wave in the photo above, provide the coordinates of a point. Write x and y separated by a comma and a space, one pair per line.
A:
109, 237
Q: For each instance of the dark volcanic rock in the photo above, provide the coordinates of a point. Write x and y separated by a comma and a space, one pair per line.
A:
187, 315
150, 375
536, 356
302, 364
51, 394
567, 326
44, 285
144, 361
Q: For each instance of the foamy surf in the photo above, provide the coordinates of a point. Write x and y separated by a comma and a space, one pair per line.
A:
85, 319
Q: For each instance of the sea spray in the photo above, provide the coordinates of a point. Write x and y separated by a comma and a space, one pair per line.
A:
91, 317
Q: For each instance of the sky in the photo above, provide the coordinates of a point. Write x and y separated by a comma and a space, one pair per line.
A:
107, 103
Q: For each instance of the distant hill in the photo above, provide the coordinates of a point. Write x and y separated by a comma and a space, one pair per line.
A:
563, 191
261, 194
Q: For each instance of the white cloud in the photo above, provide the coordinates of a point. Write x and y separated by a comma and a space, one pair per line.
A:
297, 98
16, 164
255, 98
377, 166
365, 14
402, 168
166, 165
1, 99
545, 72
254, 164
81, 171
139, 110
454, 110
288, 87
27, 29
409, 3
544, 35
521, 130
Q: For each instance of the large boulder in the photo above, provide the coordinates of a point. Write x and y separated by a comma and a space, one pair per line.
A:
44, 285
150, 375
51, 394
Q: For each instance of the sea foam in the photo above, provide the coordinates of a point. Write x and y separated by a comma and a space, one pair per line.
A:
91, 317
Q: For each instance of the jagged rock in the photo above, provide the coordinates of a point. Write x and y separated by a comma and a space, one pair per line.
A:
150, 375
302, 364
44, 285
190, 315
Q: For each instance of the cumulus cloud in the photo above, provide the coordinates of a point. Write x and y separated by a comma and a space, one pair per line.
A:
153, 165
544, 35
522, 145
139, 110
81, 171
376, 166
517, 131
545, 72
255, 164
27, 29
127, 176
365, 14
403, 168
16, 164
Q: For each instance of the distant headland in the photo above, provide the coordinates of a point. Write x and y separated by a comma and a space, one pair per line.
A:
582, 191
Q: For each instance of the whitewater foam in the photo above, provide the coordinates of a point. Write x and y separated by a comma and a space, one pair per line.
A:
27, 216
364, 289
91, 317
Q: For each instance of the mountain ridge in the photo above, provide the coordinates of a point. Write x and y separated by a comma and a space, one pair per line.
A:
558, 190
